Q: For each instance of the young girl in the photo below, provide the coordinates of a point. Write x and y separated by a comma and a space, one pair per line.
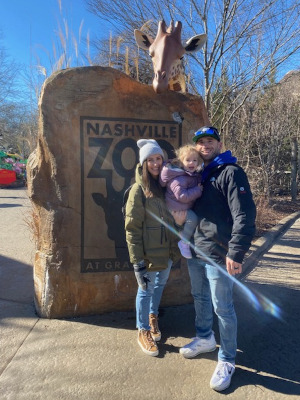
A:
183, 182
152, 247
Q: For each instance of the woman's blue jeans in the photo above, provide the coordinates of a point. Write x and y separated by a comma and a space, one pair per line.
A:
212, 288
147, 301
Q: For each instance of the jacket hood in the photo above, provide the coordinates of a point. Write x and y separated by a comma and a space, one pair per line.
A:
221, 159
171, 171
138, 174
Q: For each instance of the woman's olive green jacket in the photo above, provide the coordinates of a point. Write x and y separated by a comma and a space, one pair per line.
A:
146, 225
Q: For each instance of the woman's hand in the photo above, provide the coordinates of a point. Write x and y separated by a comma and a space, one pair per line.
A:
179, 217
141, 275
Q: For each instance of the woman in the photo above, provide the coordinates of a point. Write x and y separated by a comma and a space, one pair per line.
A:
152, 247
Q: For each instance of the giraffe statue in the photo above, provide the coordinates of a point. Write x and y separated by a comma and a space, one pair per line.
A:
167, 52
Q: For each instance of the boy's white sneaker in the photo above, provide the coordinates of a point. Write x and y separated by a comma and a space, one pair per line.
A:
198, 346
221, 378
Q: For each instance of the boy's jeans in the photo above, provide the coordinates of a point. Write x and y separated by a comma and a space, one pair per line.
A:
211, 286
147, 301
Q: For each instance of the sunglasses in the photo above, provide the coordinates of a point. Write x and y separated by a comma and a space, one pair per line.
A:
207, 131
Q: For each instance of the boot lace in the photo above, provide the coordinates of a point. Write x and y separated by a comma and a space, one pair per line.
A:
148, 339
153, 323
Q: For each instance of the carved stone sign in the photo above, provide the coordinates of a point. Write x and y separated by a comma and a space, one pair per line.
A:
90, 120
109, 154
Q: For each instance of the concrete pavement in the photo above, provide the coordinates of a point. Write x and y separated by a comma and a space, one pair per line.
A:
98, 358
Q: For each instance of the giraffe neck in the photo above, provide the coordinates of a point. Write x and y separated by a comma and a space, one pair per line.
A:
177, 77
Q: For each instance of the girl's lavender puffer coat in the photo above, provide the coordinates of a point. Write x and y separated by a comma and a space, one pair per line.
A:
182, 187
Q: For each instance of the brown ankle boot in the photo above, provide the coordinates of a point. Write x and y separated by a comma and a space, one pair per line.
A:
146, 342
154, 329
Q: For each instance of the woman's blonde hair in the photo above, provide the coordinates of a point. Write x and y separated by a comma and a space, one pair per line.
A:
182, 151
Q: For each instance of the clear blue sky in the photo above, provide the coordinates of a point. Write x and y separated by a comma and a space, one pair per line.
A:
29, 27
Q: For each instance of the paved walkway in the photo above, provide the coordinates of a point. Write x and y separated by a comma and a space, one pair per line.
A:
97, 358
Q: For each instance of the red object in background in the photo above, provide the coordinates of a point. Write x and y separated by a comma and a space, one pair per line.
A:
7, 176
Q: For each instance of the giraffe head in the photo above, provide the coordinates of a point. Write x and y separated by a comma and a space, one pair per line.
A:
167, 52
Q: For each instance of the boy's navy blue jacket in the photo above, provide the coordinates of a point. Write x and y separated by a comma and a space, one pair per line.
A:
226, 212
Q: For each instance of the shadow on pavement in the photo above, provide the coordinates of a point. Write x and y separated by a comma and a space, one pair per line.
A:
16, 281
268, 347
267, 344
4, 205
13, 197
268, 350
285, 258
275, 384
293, 241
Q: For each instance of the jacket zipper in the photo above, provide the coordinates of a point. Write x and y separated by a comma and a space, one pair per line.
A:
163, 232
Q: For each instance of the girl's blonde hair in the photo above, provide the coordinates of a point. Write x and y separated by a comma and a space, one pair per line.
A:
182, 151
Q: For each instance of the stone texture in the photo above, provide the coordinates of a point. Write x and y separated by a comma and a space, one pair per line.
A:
90, 120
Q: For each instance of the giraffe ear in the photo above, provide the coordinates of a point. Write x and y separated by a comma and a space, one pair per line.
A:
195, 43
142, 39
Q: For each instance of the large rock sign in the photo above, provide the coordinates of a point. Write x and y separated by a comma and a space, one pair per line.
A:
90, 120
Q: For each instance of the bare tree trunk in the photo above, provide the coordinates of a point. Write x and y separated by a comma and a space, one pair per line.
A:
294, 152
